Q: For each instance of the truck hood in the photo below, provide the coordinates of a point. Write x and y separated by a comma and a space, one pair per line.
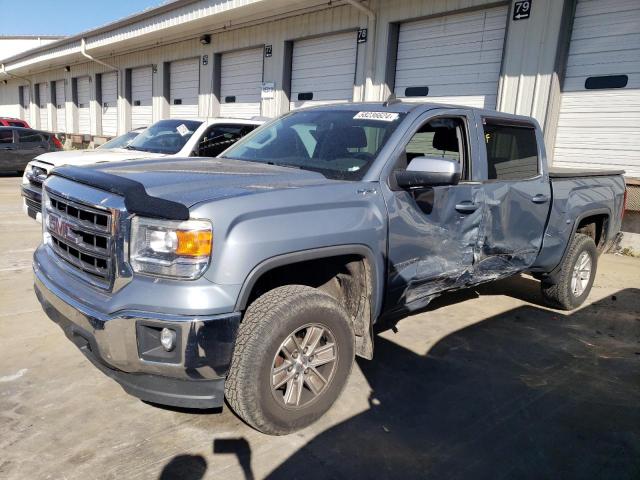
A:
190, 181
87, 157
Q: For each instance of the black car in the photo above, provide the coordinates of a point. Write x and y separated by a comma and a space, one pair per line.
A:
18, 146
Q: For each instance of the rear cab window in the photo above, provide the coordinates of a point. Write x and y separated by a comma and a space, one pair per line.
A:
512, 150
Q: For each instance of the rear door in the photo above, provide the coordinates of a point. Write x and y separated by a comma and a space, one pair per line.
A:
8, 151
518, 196
31, 143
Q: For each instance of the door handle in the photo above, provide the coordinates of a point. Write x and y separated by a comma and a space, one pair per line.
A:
467, 207
540, 198
7, 148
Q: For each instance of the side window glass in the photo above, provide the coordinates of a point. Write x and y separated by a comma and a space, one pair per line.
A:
219, 137
6, 136
28, 136
439, 138
512, 151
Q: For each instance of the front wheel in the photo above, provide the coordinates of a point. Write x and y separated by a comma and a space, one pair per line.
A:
578, 270
293, 355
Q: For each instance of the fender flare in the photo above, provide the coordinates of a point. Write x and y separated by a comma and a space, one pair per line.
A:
314, 254
574, 230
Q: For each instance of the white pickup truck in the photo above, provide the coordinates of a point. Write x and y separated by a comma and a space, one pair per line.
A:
165, 138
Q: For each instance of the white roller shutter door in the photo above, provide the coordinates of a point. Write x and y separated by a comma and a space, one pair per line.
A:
323, 70
61, 113
110, 104
44, 106
241, 83
141, 97
184, 85
600, 128
84, 121
456, 57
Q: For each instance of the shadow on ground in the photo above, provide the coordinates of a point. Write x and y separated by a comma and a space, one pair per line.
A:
529, 393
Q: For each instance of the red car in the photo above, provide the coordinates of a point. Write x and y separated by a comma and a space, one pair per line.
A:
13, 122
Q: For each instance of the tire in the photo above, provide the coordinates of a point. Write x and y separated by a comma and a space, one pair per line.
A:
260, 351
561, 294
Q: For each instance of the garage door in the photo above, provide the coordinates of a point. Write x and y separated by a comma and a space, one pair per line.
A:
43, 93
599, 122
110, 104
141, 97
184, 85
241, 83
323, 70
26, 103
84, 122
452, 59
61, 114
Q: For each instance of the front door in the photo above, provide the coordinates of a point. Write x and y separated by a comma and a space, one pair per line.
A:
434, 232
518, 197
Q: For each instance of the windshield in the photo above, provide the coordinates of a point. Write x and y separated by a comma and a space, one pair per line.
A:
119, 142
165, 136
341, 145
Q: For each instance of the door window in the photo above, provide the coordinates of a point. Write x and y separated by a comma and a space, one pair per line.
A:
440, 138
512, 151
28, 136
218, 138
6, 136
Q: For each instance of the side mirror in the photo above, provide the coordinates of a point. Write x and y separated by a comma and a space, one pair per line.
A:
429, 172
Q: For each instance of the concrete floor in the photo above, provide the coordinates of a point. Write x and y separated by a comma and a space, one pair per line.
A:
485, 384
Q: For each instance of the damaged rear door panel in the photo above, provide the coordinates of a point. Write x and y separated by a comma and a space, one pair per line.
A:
518, 196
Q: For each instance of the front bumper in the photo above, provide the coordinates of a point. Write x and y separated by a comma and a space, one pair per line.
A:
192, 376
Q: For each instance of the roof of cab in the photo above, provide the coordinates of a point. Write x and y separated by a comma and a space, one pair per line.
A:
399, 106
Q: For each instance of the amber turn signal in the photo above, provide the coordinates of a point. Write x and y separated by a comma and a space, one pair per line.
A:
194, 243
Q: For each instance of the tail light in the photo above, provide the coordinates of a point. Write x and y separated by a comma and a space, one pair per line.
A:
58, 144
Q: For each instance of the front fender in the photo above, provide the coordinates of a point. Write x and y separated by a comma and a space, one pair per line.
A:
275, 228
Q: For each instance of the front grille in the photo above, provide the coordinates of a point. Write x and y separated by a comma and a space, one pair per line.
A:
33, 205
82, 235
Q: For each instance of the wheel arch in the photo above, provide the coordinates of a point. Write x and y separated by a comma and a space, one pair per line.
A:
373, 276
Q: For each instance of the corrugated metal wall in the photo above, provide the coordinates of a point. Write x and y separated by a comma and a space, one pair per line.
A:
527, 63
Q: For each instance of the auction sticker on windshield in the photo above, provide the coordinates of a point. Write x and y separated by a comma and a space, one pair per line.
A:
182, 129
382, 116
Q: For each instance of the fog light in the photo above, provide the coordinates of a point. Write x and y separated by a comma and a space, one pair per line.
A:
168, 339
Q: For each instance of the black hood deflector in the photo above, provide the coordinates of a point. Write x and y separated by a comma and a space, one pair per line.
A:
136, 198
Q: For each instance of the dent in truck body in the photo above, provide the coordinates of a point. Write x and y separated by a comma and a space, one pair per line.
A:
575, 199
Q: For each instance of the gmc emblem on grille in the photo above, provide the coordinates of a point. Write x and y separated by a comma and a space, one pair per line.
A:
63, 229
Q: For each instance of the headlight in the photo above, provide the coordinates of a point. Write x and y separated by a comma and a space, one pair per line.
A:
170, 249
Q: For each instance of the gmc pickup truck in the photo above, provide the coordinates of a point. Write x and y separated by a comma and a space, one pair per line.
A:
258, 275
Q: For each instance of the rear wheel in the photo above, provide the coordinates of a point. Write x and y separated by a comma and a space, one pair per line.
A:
578, 270
293, 355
